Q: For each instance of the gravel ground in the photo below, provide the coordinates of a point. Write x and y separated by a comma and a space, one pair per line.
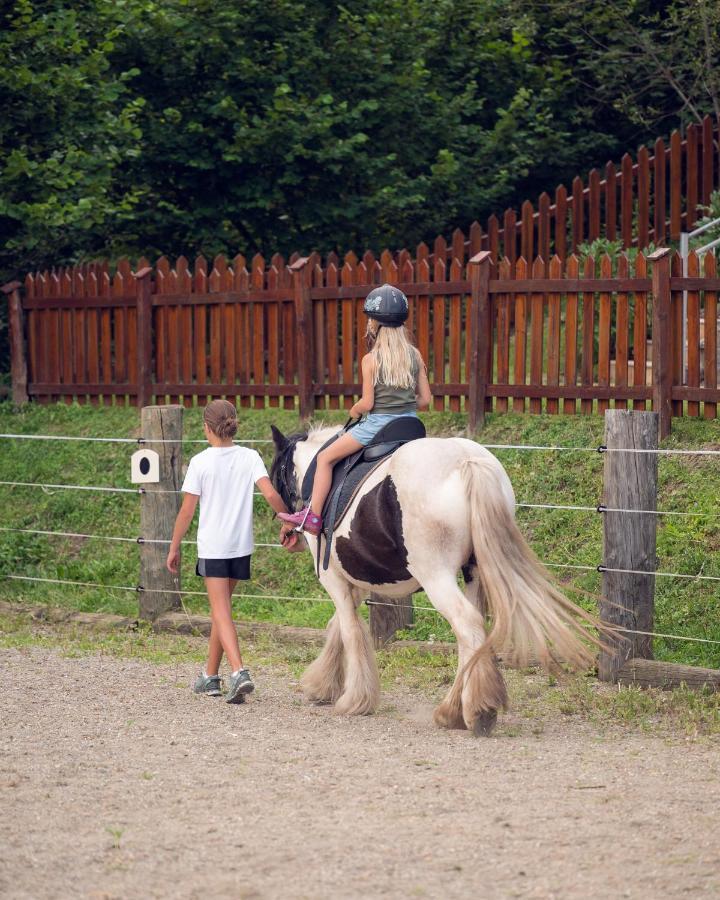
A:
117, 782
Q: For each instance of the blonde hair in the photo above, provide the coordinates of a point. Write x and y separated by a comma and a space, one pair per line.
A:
393, 354
220, 416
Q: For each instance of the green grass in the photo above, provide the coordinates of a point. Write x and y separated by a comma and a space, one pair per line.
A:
687, 545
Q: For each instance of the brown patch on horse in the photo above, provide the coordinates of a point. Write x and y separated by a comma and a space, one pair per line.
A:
375, 551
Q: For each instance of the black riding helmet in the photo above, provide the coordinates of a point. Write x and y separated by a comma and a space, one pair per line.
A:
387, 305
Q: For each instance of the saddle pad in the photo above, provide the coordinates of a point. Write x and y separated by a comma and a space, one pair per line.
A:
348, 488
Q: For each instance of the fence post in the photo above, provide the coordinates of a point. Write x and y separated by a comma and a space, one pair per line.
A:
18, 361
388, 615
630, 482
143, 285
158, 509
305, 337
661, 339
479, 373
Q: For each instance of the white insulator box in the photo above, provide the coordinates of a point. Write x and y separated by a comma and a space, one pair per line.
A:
144, 467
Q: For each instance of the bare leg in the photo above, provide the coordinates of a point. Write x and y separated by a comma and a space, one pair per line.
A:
215, 650
342, 447
218, 590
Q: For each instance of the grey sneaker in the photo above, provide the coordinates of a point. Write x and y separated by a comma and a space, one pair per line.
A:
208, 684
239, 685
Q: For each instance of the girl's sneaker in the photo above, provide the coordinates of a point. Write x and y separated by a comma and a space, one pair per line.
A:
240, 684
208, 684
305, 520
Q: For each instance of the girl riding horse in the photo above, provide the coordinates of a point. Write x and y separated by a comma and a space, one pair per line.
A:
394, 383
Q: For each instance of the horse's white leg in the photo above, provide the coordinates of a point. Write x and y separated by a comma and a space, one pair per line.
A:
479, 689
362, 682
323, 680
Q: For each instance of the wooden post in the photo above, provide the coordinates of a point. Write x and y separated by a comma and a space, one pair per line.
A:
305, 337
479, 373
18, 361
630, 482
388, 615
661, 339
158, 510
144, 336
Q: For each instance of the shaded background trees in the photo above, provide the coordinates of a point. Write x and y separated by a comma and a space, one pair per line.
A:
138, 126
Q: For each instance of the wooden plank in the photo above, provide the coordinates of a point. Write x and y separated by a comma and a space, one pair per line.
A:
494, 237
666, 676
711, 331
458, 247
273, 337
640, 331
561, 221
527, 231
438, 334
67, 333
544, 228
93, 334
571, 335
627, 198
257, 276
422, 318
629, 540
161, 319
173, 336
604, 329
520, 363
610, 202
106, 341
363, 276
159, 506
184, 282
510, 236
120, 329
578, 214
455, 336
79, 335
305, 339
643, 192
661, 339
200, 314
676, 334
480, 362
333, 329
537, 329
475, 239
708, 147
502, 305
694, 186
347, 277
593, 205
587, 363
320, 367
622, 320
243, 333
289, 329
693, 333
675, 185
387, 616
659, 191
553, 349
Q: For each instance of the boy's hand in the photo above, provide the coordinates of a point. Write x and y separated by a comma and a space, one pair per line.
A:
173, 561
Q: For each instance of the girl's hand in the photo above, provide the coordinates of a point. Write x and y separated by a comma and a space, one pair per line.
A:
173, 561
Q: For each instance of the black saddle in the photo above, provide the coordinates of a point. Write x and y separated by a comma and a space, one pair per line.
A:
351, 472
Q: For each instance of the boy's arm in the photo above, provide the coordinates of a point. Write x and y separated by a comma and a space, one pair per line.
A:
182, 523
367, 401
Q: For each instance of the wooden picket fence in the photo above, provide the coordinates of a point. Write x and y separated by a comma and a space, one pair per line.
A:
557, 336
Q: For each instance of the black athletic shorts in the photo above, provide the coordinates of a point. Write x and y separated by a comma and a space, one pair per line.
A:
238, 567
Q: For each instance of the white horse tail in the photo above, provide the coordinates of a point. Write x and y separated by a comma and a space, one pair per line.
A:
531, 619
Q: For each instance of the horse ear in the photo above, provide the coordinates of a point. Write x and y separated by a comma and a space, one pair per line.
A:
278, 438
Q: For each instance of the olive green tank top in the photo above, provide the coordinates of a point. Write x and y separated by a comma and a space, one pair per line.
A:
390, 400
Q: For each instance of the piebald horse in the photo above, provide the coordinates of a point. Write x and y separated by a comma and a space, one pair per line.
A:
435, 508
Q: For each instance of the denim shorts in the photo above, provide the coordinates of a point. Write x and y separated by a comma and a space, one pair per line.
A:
366, 430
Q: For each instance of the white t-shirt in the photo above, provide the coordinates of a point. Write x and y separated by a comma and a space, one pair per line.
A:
224, 478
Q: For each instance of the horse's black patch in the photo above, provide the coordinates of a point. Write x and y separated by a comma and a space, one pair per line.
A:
467, 569
375, 550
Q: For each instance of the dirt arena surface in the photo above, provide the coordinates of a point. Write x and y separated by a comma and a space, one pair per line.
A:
117, 782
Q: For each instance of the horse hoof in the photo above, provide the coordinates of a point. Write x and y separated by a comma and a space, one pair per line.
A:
484, 723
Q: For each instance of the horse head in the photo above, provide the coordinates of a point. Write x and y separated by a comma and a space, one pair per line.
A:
288, 465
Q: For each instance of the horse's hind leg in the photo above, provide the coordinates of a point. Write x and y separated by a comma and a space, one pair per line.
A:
479, 689
323, 680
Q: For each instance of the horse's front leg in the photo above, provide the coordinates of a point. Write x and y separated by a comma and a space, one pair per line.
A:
361, 687
324, 679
